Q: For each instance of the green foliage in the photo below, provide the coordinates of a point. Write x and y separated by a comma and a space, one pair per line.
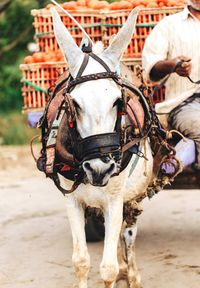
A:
16, 32
14, 129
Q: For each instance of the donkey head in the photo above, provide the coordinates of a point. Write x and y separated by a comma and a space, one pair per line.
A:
95, 101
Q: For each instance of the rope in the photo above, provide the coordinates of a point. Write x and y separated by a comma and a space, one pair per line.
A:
31, 145
75, 21
169, 134
37, 88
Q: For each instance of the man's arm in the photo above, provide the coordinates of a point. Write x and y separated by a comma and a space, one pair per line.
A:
180, 65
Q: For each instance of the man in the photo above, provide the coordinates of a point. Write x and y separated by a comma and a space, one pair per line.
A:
172, 53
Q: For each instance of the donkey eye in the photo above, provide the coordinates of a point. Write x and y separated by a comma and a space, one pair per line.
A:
116, 103
76, 106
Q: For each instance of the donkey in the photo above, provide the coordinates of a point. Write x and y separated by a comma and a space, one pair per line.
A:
96, 108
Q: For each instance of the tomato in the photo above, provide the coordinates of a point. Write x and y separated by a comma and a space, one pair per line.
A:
136, 3
100, 4
126, 4
59, 56
49, 6
151, 4
39, 57
28, 60
113, 6
91, 4
171, 3
71, 5
81, 3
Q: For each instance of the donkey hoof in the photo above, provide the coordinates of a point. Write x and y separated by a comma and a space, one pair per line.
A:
135, 285
121, 284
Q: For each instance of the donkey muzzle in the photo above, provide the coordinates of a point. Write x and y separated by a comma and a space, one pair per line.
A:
104, 146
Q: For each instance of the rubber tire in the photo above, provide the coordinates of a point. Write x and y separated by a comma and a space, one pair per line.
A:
94, 229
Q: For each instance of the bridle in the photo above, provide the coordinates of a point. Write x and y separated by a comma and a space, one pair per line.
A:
115, 145
107, 145
64, 151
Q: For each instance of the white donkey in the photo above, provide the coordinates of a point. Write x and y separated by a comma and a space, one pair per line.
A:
96, 114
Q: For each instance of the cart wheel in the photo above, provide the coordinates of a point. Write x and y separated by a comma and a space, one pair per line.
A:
94, 229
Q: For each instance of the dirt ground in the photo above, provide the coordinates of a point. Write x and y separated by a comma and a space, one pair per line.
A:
36, 245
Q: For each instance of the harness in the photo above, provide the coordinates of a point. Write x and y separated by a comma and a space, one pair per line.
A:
63, 150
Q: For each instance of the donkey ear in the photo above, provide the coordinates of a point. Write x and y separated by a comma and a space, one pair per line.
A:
68, 46
120, 41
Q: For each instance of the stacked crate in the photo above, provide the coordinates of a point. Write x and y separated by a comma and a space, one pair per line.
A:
100, 26
146, 21
38, 79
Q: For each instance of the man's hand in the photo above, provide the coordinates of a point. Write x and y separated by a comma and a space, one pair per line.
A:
182, 66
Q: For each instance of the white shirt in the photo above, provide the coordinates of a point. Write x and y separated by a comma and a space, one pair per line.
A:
175, 35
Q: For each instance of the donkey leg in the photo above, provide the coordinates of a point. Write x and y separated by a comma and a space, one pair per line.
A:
109, 267
80, 257
122, 278
133, 274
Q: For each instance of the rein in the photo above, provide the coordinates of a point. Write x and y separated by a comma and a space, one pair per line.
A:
179, 65
194, 82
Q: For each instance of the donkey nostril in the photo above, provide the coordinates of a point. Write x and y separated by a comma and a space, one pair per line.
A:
111, 168
87, 166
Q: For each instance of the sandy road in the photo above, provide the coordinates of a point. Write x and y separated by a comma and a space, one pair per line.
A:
35, 241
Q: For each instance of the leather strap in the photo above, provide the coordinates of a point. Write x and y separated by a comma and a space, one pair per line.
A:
90, 77
85, 62
64, 191
83, 65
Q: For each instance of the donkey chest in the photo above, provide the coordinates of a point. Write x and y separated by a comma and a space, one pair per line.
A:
99, 197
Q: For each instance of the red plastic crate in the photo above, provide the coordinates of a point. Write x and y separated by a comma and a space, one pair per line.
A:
37, 79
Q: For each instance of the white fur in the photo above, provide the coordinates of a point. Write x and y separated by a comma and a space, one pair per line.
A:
97, 115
